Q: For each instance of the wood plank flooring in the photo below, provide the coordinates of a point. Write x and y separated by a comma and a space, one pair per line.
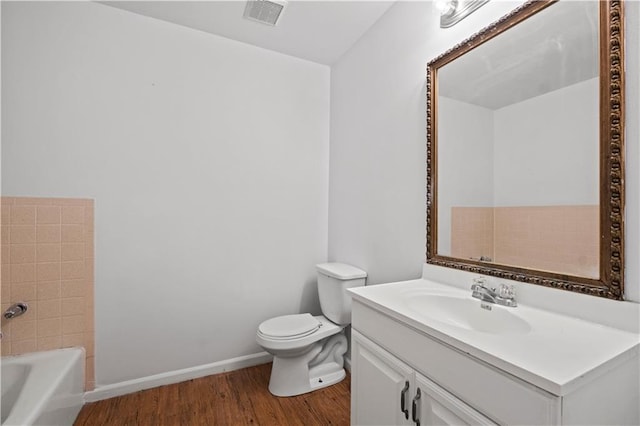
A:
239, 397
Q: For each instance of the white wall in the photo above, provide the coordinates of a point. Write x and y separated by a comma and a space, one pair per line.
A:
208, 161
499, 169
567, 144
377, 204
377, 198
465, 173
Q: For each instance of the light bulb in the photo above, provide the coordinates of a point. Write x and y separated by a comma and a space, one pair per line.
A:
445, 6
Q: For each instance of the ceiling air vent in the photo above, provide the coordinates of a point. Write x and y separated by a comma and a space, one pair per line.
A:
264, 11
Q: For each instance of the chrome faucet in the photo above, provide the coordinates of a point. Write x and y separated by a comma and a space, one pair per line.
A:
16, 310
504, 295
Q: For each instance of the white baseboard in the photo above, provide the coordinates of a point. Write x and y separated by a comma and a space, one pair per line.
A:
170, 377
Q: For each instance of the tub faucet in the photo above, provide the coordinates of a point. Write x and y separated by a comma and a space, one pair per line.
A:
505, 295
16, 310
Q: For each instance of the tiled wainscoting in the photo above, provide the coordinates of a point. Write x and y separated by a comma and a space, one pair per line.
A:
551, 238
472, 232
48, 262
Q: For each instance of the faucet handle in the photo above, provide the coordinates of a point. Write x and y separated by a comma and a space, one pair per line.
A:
16, 310
480, 281
507, 291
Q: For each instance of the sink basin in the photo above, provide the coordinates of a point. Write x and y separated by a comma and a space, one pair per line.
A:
467, 313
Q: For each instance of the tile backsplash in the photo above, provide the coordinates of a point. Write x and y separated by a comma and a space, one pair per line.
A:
48, 262
551, 238
472, 230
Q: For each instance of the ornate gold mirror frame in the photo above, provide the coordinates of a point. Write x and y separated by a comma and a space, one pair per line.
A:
611, 128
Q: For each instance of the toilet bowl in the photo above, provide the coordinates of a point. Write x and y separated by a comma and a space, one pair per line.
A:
308, 351
293, 371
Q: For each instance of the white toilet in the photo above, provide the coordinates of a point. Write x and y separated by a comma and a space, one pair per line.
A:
308, 351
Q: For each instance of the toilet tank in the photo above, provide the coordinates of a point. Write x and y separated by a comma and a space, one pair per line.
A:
333, 281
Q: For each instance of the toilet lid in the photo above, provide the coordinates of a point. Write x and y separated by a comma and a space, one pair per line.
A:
289, 326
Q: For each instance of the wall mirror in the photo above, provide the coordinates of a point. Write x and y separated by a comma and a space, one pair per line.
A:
525, 167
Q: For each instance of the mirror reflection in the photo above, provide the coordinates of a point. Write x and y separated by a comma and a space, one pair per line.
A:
518, 146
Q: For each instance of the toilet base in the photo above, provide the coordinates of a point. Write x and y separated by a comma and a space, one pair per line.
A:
287, 385
328, 379
314, 370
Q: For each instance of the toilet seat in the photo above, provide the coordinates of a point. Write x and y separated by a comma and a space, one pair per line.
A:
288, 327
293, 344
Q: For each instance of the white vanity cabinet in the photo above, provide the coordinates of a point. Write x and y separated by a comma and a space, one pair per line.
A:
436, 406
393, 356
386, 391
381, 385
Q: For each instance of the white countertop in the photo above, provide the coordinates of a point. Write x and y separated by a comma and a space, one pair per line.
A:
558, 354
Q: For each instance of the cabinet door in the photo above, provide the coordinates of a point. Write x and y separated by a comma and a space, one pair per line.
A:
436, 406
380, 385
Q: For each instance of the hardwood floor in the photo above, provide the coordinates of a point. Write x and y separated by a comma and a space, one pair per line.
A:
239, 397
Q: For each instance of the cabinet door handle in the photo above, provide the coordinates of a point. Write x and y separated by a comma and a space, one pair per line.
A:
414, 408
404, 410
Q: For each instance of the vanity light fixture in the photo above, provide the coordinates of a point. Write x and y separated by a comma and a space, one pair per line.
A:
445, 6
453, 11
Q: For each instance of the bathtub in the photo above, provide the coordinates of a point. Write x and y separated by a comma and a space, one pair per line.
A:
42, 388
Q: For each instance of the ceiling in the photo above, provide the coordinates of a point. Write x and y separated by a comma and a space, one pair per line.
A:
553, 49
318, 31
